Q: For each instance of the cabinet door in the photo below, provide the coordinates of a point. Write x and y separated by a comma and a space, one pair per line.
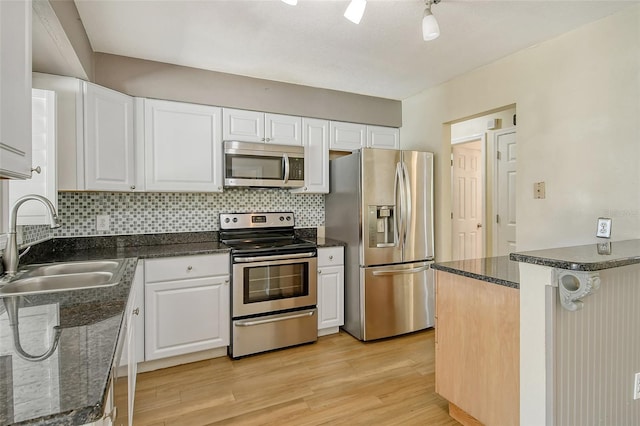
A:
186, 316
109, 163
283, 129
183, 147
315, 134
242, 125
15, 89
383, 137
330, 296
347, 136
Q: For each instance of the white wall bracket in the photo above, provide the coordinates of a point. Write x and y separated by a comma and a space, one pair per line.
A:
575, 285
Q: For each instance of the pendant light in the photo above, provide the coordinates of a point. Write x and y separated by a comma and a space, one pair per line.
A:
355, 10
430, 28
291, 2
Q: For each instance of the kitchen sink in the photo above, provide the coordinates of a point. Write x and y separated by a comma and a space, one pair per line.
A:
55, 277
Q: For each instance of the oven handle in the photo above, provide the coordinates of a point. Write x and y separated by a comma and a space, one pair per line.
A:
249, 323
276, 257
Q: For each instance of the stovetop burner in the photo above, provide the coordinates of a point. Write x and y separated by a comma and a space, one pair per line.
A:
261, 232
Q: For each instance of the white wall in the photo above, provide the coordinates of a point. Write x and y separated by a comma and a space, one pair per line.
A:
578, 103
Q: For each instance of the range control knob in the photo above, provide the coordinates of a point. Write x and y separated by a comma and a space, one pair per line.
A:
227, 220
281, 218
288, 218
235, 219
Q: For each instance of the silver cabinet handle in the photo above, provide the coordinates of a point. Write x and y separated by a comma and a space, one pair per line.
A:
248, 323
133, 187
331, 257
401, 271
37, 169
189, 268
136, 311
319, 272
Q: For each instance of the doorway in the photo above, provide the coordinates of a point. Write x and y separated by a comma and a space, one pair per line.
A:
483, 173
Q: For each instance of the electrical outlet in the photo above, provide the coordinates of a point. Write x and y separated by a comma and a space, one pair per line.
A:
636, 386
103, 222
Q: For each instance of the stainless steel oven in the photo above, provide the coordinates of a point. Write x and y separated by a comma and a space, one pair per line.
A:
274, 283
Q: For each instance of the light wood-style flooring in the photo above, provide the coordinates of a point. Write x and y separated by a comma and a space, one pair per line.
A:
335, 381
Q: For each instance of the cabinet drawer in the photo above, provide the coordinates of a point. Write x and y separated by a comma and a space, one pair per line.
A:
330, 256
184, 267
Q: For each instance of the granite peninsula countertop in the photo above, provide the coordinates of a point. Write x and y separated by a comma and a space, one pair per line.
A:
496, 270
590, 257
69, 387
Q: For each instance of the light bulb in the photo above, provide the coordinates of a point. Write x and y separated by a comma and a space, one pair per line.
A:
355, 10
291, 2
430, 28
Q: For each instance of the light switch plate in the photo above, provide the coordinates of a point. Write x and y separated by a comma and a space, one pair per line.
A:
604, 227
539, 190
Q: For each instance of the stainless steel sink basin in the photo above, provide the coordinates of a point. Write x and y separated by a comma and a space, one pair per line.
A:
55, 277
73, 268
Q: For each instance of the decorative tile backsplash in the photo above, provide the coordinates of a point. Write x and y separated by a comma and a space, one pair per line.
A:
148, 213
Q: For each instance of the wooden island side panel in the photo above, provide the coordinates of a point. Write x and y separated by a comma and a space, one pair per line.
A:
478, 348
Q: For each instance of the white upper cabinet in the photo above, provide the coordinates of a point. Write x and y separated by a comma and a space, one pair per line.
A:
109, 151
347, 136
315, 135
383, 137
15, 89
253, 126
182, 147
283, 129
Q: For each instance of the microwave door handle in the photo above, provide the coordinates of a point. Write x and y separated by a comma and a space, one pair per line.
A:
285, 161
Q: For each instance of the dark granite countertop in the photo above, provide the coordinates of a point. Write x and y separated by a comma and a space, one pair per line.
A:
496, 270
69, 387
591, 257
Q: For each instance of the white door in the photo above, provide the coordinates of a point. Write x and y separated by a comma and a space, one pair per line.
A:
383, 137
109, 144
315, 134
330, 296
505, 204
347, 136
467, 201
183, 147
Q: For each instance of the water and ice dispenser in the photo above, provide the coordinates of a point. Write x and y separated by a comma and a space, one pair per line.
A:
381, 226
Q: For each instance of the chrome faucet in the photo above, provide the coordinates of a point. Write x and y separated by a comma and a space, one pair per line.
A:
11, 257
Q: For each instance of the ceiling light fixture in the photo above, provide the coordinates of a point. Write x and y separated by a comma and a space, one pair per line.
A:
291, 2
430, 28
355, 10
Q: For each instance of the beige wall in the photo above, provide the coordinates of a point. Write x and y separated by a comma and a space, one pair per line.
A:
578, 103
138, 77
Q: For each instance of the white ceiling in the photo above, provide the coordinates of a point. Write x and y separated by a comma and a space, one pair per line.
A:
313, 44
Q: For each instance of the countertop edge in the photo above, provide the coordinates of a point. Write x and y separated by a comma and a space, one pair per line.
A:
476, 276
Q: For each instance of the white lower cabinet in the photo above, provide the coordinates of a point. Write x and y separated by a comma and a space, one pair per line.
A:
186, 305
330, 289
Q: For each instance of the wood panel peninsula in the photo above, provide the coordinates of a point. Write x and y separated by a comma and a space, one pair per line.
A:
477, 339
545, 337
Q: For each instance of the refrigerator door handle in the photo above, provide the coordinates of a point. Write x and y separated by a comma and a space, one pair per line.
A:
397, 216
401, 271
407, 207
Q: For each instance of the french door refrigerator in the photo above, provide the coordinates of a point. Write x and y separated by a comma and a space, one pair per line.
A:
381, 204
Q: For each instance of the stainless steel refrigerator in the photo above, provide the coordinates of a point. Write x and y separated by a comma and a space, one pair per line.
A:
381, 204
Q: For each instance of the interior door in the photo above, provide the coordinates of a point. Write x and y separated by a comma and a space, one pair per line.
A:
467, 195
505, 229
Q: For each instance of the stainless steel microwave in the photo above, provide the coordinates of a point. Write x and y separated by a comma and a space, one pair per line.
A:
263, 165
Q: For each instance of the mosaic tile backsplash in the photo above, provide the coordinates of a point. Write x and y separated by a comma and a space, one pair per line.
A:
150, 213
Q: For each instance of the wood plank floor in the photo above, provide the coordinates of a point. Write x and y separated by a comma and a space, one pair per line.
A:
335, 381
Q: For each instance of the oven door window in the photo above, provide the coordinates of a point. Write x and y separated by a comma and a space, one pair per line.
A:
275, 282
254, 167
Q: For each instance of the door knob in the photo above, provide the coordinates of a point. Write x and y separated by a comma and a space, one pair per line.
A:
479, 226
